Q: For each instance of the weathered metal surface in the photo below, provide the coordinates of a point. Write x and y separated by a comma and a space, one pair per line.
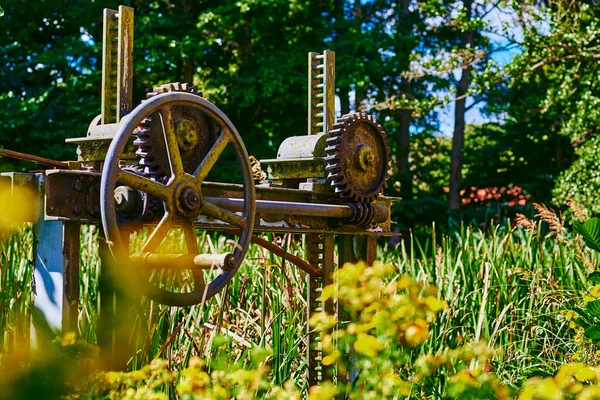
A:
34, 159
125, 62
278, 251
303, 146
296, 169
56, 272
320, 250
183, 261
73, 195
109, 66
180, 208
357, 157
195, 134
48, 274
321, 91
70, 250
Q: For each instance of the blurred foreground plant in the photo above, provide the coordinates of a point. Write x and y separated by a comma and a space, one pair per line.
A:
383, 319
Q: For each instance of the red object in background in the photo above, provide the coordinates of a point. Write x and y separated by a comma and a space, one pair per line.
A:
512, 196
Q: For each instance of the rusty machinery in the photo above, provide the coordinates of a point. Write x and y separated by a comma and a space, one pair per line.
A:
147, 166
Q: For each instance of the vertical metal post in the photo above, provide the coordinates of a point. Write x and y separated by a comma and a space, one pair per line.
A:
117, 64
369, 251
109, 67
320, 255
113, 322
71, 248
56, 271
321, 92
125, 62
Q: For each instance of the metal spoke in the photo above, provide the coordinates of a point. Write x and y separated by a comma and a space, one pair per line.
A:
159, 233
211, 158
222, 214
191, 242
175, 162
144, 184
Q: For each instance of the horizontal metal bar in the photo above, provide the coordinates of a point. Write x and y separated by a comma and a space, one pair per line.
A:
34, 159
278, 251
286, 207
184, 261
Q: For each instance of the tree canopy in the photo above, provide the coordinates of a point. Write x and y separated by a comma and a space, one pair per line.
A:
403, 61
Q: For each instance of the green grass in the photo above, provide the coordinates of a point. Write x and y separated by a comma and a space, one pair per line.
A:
504, 287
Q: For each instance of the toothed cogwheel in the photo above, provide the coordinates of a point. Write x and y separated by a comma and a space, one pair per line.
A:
357, 157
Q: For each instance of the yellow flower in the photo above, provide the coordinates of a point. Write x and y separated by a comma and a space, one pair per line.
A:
112, 377
545, 388
328, 360
326, 391
434, 304
417, 333
367, 345
69, 339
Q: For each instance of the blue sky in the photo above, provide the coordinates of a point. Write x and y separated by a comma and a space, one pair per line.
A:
496, 19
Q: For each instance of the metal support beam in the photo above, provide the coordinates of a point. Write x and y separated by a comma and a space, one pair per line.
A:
56, 275
125, 62
320, 255
109, 67
113, 322
117, 64
321, 92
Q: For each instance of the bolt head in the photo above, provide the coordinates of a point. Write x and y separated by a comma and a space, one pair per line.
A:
364, 156
190, 199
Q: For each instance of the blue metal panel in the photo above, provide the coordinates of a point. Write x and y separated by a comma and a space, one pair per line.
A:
48, 275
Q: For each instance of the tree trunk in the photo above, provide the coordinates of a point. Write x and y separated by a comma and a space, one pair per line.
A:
560, 153
458, 140
403, 139
339, 31
403, 133
344, 94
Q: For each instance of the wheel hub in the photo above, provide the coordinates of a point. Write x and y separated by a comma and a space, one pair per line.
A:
188, 199
364, 157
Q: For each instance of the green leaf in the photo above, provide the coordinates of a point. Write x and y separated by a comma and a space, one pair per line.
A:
581, 322
593, 332
593, 278
590, 232
583, 314
593, 308
1, 12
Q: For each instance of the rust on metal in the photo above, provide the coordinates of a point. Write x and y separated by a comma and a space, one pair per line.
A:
109, 67
124, 62
183, 261
321, 91
34, 159
150, 170
278, 251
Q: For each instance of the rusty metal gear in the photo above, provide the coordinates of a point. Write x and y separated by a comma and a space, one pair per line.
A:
196, 134
357, 157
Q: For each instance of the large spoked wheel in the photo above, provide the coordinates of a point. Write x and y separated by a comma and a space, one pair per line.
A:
183, 203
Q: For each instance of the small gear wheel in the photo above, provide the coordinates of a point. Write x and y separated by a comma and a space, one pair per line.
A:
196, 134
357, 157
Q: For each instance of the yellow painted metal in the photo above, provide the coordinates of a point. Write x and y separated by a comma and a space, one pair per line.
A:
109, 67
117, 64
125, 62
321, 91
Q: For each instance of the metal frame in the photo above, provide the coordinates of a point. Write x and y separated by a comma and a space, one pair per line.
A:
69, 198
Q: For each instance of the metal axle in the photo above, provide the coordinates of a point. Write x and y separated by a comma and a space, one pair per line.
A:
296, 208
